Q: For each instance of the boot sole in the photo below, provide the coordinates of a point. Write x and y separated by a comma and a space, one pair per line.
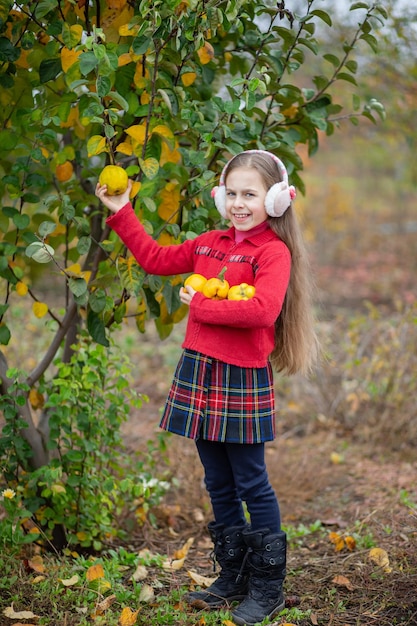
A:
242, 622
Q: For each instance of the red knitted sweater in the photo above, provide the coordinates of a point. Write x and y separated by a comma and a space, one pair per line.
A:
236, 332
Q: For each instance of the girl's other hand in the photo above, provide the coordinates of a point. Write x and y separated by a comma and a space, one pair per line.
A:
187, 294
113, 203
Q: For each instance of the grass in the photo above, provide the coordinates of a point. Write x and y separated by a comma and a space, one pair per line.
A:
125, 586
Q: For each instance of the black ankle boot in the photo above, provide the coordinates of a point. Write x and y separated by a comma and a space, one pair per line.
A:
232, 583
266, 560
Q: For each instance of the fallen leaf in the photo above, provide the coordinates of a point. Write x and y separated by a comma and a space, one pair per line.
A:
182, 552
227, 622
140, 573
337, 540
95, 571
68, 582
12, 614
147, 593
105, 604
314, 620
342, 581
37, 579
179, 556
36, 564
350, 543
380, 558
202, 581
128, 617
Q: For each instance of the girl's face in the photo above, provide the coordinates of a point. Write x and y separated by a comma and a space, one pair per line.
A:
245, 198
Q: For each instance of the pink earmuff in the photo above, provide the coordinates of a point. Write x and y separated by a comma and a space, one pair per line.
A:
278, 198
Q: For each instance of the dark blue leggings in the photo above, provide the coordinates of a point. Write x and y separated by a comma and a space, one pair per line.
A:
236, 473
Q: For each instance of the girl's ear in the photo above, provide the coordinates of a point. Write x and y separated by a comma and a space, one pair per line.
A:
219, 195
278, 199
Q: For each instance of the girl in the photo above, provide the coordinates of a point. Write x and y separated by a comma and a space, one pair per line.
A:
222, 392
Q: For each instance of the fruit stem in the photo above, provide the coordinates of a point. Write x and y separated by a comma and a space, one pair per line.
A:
222, 273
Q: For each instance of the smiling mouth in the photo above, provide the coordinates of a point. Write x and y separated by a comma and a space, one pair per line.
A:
241, 216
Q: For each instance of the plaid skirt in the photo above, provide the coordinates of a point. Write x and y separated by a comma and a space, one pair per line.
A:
216, 401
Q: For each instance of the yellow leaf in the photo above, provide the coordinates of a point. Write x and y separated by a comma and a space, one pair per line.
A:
201, 581
69, 582
170, 202
168, 155
116, 4
12, 614
137, 132
124, 59
291, 111
336, 458
188, 78
112, 19
173, 565
337, 540
136, 185
149, 167
38, 579
75, 270
68, 58
96, 145
94, 572
206, 53
101, 585
350, 543
40, 309
21, 288
182, 552
128, 617
227, 622
125, 147
380, 558
163, 131
128, 31
36, 563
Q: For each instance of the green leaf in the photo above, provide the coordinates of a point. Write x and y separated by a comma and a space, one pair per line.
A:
88, 62
97, 300
359, 5
49, 69
8, 140
46, 228
371, 41
21, 221
96, 328
323, 16
348, 77
141, 44
83, 245
8, 52
78, 286
103, 85
5, 335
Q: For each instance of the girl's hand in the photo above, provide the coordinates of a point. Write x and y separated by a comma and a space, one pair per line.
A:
187, 294
113, 203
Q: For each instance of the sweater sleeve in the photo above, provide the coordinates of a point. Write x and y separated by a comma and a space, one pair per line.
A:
153, 258
262, 310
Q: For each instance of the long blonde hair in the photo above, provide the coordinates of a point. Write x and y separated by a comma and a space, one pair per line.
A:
296, 345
